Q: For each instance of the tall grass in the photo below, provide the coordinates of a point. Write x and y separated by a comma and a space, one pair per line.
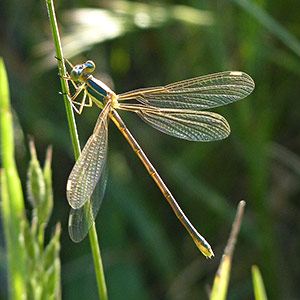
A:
33, 268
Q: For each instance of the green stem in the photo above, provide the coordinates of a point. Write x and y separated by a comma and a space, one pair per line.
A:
76, 147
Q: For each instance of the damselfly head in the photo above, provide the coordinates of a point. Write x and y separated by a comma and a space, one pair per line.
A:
80, 71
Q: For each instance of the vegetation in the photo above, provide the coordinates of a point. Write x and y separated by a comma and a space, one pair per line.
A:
145, 251
33, 268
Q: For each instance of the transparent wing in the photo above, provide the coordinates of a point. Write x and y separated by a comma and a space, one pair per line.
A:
81, 219
196, 93
90, 164
189, 125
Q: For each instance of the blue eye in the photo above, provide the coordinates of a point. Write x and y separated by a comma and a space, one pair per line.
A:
76, 72
89, 66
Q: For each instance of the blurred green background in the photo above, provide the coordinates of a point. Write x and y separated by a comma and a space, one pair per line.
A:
146, 252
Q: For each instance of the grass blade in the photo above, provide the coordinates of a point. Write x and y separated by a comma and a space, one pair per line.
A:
258, 284
221, 281
12, 197
270, 24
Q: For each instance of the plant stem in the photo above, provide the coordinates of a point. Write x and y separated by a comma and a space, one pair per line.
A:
76, 147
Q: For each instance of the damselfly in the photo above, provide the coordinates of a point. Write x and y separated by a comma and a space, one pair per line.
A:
175, 109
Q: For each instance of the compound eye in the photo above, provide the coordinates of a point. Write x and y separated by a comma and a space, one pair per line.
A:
90, 66
76, 72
